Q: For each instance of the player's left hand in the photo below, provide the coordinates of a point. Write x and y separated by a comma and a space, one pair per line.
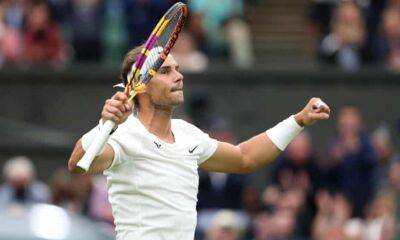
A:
314, 111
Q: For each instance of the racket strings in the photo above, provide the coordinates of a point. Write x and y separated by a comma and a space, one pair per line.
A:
165, 36
153, 60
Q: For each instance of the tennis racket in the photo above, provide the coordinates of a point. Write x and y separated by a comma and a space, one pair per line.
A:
152, 56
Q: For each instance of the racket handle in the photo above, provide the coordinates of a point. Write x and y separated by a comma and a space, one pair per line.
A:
96, 146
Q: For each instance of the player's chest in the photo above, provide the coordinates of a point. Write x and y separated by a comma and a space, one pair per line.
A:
182, 152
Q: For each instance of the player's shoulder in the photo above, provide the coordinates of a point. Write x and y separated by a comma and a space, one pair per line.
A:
180, 123
130, 126
131, 122
185, 127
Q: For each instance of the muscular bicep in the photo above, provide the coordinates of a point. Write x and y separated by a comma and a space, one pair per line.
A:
243, 158
226, 158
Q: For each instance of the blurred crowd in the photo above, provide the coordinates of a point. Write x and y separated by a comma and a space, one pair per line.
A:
351, 34
352, 192
356, 33
58, 32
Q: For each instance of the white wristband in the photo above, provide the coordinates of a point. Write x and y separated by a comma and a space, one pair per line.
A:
284, 132
88, 138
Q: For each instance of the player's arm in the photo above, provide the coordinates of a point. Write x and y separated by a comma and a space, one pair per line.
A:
100, 163
116, 109
263, 148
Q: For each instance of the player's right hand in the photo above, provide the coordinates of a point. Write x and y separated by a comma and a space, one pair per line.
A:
117, 108
315, 110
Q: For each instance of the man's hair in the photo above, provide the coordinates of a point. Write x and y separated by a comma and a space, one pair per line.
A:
129, 59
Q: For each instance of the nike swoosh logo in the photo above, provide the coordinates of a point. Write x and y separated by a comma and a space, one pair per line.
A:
192, 150
157, 144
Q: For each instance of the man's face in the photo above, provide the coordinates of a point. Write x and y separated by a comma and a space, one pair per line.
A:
165, 90
349, 121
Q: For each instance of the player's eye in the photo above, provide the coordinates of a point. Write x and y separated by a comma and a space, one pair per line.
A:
164, 70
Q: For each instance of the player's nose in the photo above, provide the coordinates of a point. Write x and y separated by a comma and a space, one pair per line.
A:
178, 76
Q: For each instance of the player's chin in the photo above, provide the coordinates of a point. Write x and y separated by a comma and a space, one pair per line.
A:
178, 99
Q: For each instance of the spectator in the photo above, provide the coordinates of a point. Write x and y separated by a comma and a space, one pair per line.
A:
20, 184
15, 13
333, 213
373, 15
238, 37
220, 190
394, 178
224, 226
216, 191
296, 168
114, 34
283, 225
251, 201
11, 15
297, 171
224, 25
394, 186
354, 159
343, 45
384, 151
88, 196
393, 3
354, 229
271, 196
85, 185
320, 14
261, 226
61, 9
196, 28
43, 42
87, 27
99, 206
388, 46
380, 217
63, 192
198, 105
90, 199
294, 201
141, 17
334, 233
279, 224
185, 52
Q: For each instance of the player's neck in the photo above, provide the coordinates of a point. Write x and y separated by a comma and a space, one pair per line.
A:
158, 122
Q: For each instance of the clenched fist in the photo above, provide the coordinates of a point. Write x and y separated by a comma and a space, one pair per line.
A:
117, 108
314, 111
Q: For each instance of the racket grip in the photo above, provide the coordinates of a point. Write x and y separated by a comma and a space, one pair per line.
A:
97, 145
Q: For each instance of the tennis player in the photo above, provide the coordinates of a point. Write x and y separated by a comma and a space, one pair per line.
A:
151, 160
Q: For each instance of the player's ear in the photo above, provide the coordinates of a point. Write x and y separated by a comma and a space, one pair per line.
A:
139, 98
143, 89
136, 105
